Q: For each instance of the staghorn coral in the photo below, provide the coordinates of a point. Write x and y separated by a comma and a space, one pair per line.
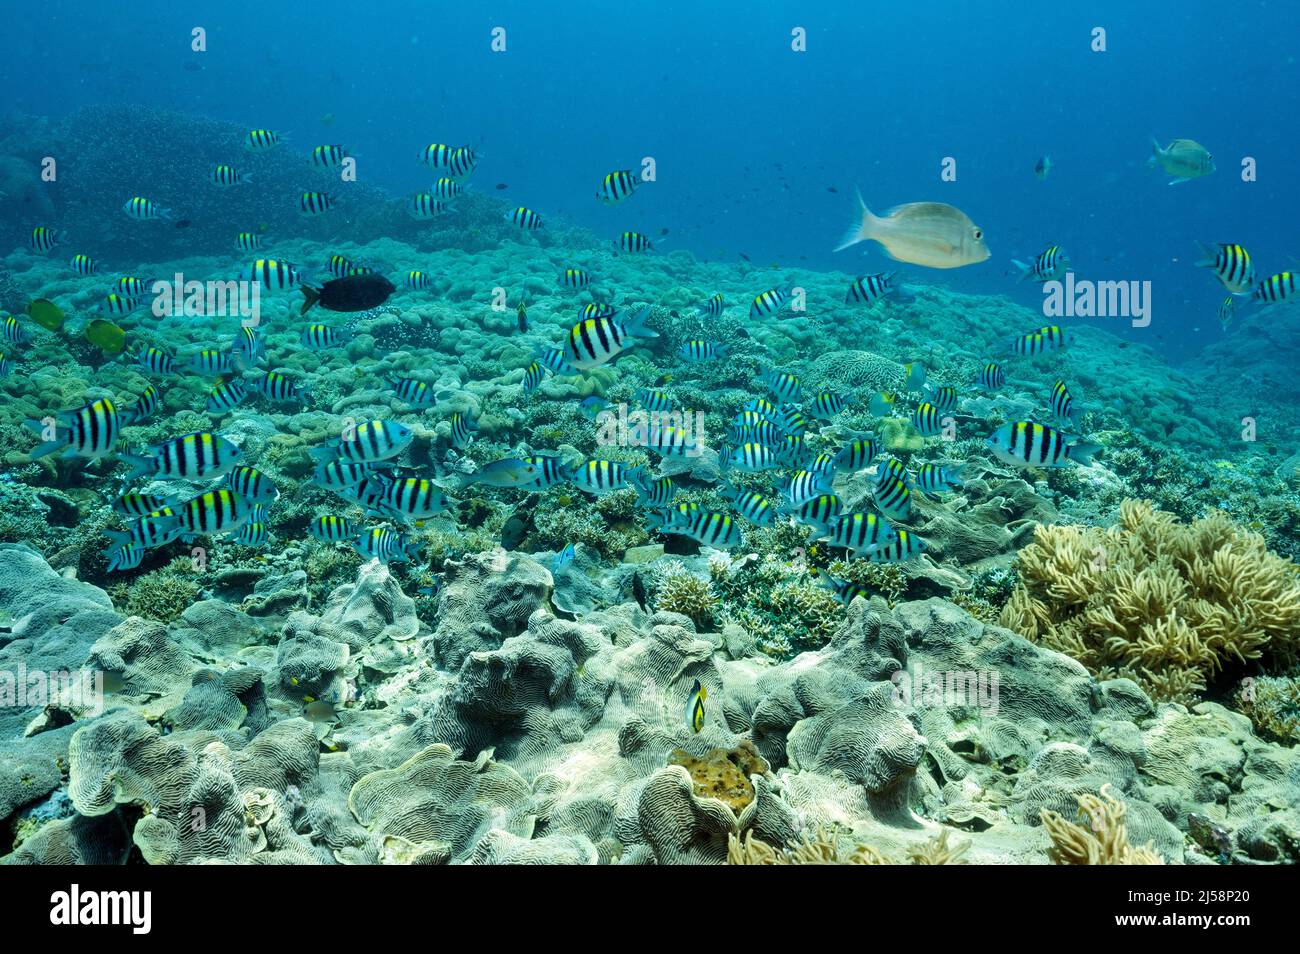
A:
1165, 604
1103, 842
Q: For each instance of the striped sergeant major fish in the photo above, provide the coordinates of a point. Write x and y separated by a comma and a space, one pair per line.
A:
706, 527
137, 504
758, 431
251, 484
154, 529
314, 203
417, 280
935, 479
595, 341
1227, 311
331, 529
118, 305
552, 359
1047, 338
210, 361
273, 275
142, 209
386, 546
246, 348
275, 386
337, 474
657, 493
446, 188
653, 399
818, 510
1276, 288
782, 384
89, 432
84, 265
826, 405
457, 161
415, 393
634, 242
714, 306
426, 205
1062, 403
248, 241
575, 278
143, 408
753, 506
1026, 444
260, 140
411, 498
857, 532
213, 512
604, 476
905, 546
928, 419
769, 302
225, 397
525, 218
1049, 264
751, 459
5, 366
696, 351
893, 497
1232, 266
43, 239
320, 337
944, 397
846, 591
224, 175
256, 533
340, 266
789, 420
671, 441
823, 464
122, 554
368, 442
992, 376
891, 468
617, 186
869, 289
803, 486
534, 375
193, 457
596, 309
858, 453
328, 157
463, 427
13, 332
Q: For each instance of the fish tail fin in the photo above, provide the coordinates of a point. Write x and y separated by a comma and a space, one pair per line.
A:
824, 579
49, 447
1082, 452
309, 297
1156, 153
1021, 269
1208, 255
635, 326
860, 228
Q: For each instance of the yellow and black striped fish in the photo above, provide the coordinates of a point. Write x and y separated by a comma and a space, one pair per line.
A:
695, 707
1027, 444
1232, 266
1047, 338
1276, 288
260, 140
617, 186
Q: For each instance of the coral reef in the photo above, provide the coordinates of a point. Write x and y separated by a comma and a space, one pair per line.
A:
1165, 604
1105, 839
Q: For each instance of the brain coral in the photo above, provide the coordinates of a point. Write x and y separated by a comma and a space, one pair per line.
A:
857, 370
1162, 603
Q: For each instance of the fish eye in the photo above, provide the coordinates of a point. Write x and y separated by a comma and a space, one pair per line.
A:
978, 235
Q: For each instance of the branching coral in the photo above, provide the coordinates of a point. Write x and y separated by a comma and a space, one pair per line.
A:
1165, 604
1273, 705
1103, 842
680, 592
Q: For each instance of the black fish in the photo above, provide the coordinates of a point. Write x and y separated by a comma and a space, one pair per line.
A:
350, 293
183, 224
832, 189
516, 528
744, 256
502, 185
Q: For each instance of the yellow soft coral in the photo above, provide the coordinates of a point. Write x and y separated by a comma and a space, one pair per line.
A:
1162, 603
1103, 842
824, 849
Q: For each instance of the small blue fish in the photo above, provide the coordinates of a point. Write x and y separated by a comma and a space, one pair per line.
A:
563, 559
592, 407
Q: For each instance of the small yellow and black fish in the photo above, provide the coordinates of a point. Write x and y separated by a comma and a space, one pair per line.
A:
90, 432
314, 203
714, 306
575, 278
1047, 338
43, 239
769, 302
224, 175
1026, 444
248, 241
927, 419
845, 591
525, 218
84, 265
417, 280
617, 186
992, 376
260, 140
12, 331
1275, 288
425, 205
695, 707
1227, 311
142, 209
129, 286
1062, 403
447, 188
1050, 264
595, 341
1232, 266
634, 242
457, 161
328, 157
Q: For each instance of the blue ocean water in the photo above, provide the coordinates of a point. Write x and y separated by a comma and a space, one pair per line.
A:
758, 147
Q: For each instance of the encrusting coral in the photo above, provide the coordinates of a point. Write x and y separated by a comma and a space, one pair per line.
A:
1103, 842
1165, 604
723, 773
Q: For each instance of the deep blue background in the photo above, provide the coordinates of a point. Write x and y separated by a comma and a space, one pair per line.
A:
750, 136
